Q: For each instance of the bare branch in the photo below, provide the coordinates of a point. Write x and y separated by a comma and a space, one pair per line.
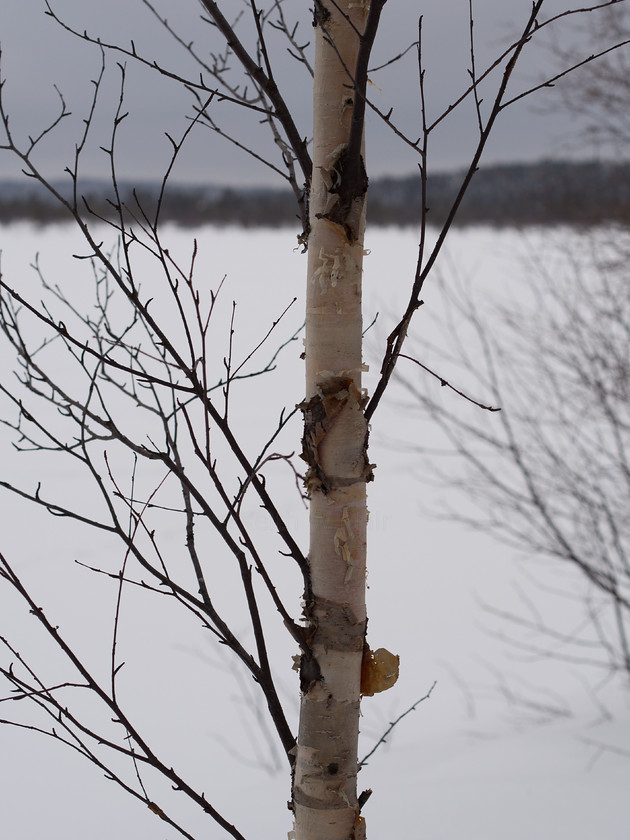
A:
383, 739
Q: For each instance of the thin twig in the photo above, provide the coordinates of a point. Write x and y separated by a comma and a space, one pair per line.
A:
383, 739
446, 384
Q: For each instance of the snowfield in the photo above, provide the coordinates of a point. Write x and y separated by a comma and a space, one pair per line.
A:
509, 746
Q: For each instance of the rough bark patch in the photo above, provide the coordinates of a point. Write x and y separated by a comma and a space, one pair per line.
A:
336, 626
320, 414
325, 778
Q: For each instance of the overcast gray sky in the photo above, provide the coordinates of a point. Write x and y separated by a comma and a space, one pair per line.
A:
37, 54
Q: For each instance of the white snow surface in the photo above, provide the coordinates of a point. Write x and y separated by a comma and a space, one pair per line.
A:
507, 746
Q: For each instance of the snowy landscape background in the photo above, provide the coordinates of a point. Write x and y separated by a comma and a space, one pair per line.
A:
504, 747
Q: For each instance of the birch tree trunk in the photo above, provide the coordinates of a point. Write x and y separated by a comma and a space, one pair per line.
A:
335, 442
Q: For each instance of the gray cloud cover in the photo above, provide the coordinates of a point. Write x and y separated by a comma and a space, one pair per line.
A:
38, 54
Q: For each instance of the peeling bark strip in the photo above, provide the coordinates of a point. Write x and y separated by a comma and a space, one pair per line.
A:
336, 394
325, 800
379, 671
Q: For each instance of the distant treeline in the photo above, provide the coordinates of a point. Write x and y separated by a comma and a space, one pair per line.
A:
550, 192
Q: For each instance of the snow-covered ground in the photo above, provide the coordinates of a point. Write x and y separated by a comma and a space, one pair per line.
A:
504, 748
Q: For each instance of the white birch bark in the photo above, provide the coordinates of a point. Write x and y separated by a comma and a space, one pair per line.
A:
324, 791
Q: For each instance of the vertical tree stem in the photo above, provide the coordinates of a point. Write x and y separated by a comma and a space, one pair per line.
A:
335, 440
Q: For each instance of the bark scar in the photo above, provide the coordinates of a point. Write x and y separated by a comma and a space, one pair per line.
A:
320, 413
346, 182
310, 672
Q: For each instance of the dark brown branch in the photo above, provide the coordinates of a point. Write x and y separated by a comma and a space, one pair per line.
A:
268, 85
220, 95
398, 335
550, 82
446, 384
149, 756
353, 166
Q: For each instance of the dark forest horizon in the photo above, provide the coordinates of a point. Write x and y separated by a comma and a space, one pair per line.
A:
587, 192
